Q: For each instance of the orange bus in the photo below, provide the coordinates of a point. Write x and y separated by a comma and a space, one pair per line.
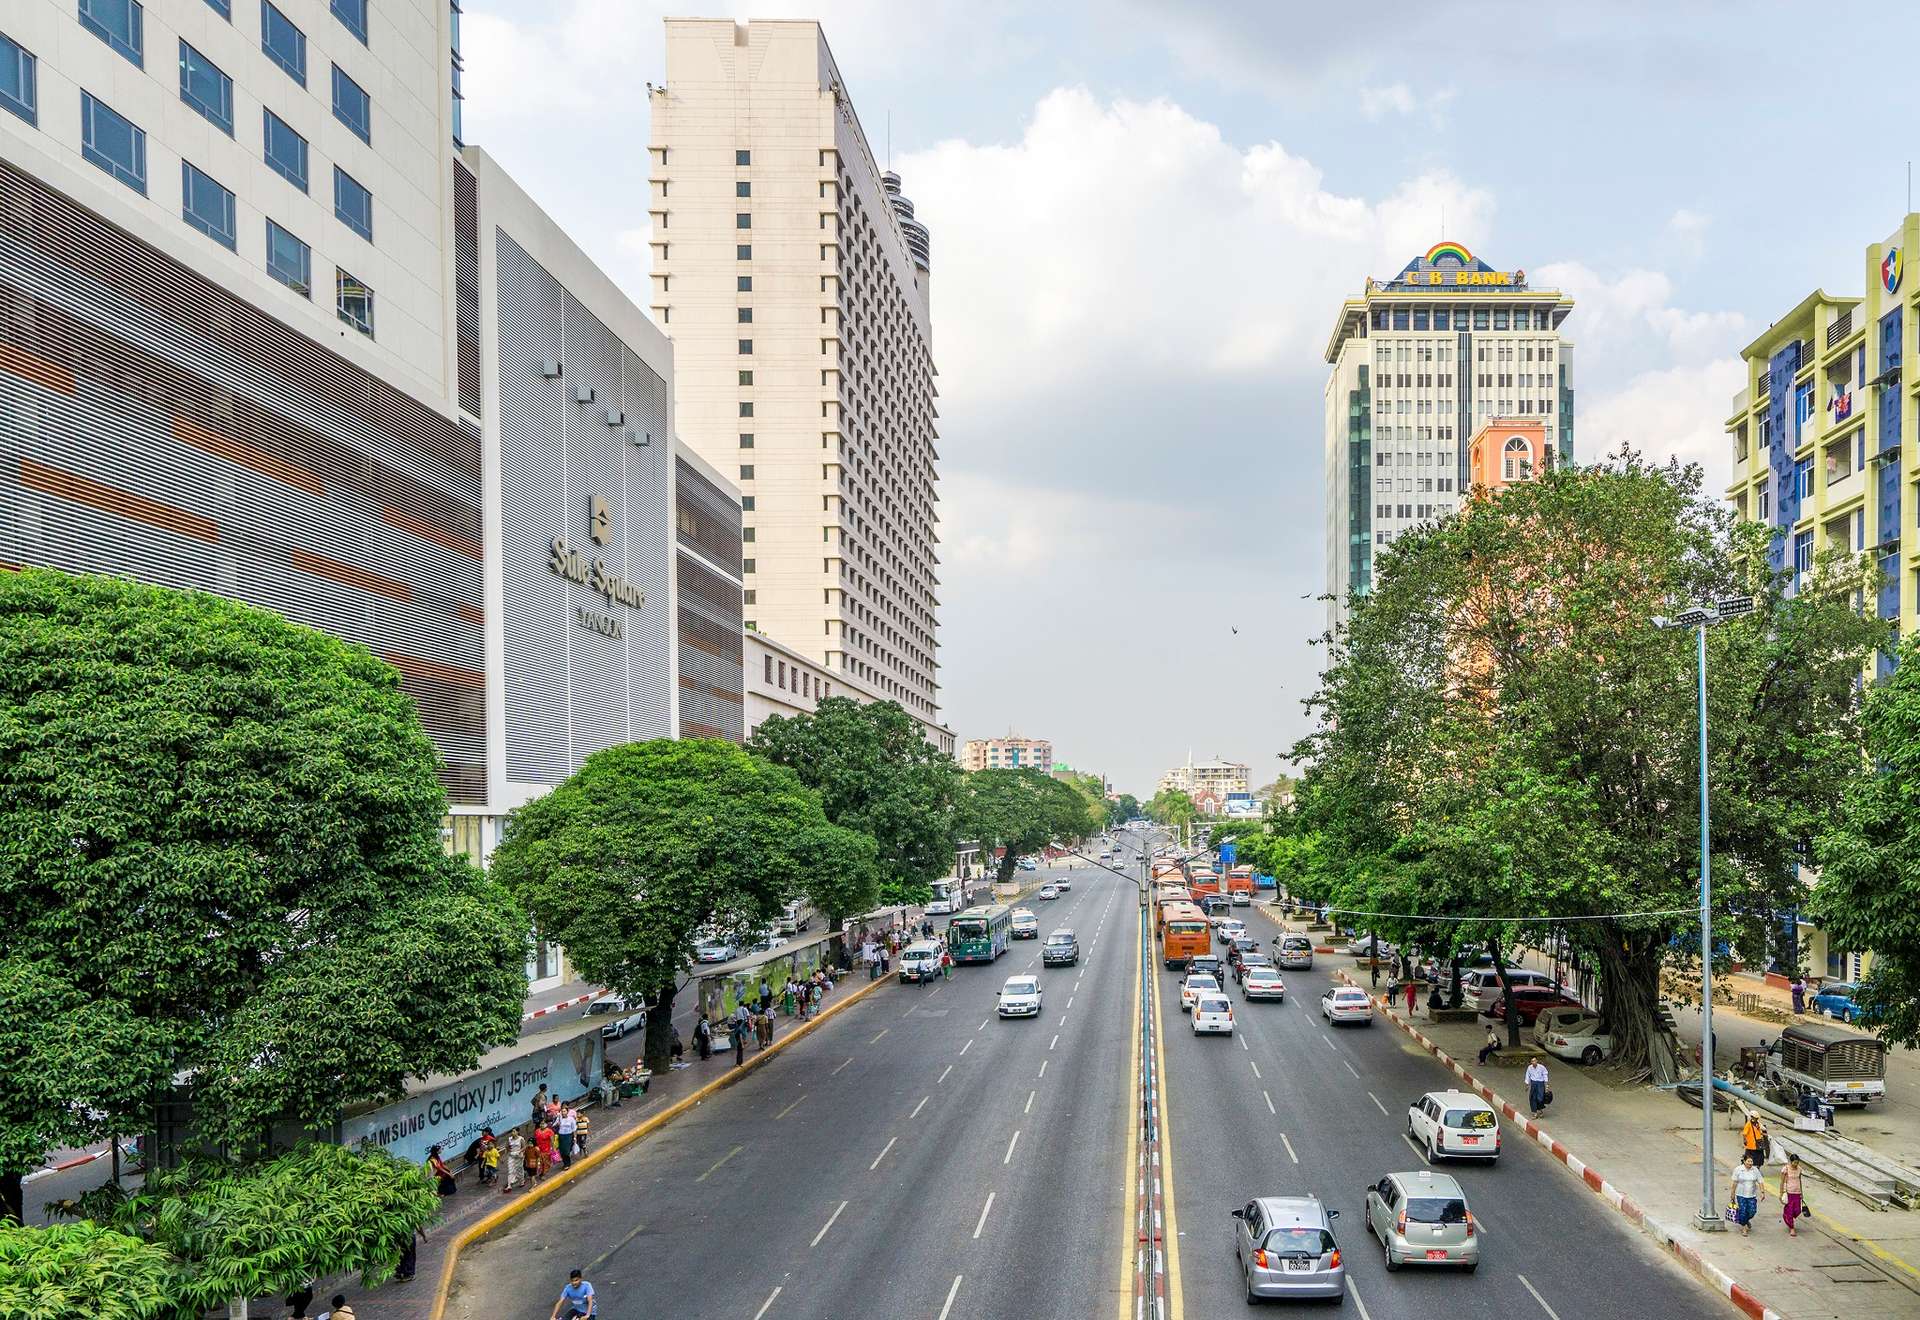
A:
1240, 885
1184, 934
1164, 893
1205, 882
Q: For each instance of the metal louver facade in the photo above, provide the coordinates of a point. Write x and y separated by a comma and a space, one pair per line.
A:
707, 522
156, 426
583, 430
466, 288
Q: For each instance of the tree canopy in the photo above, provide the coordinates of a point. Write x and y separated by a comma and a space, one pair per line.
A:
1122, 809
1504, 734
1170, 806
68, 1270
646, 843
1021, 811
876, 773
220, 855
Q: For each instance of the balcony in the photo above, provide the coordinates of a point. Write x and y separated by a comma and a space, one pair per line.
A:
1840, 327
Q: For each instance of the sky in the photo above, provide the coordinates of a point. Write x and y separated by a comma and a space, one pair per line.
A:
1145, 215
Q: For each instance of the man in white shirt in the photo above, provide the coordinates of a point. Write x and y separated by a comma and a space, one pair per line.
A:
1536, 1087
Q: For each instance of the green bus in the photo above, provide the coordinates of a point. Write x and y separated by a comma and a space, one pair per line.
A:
980, 934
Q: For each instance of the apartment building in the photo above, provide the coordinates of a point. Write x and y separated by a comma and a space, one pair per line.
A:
782, 681
1012, 752
793, 278
1419, 363
1218, 778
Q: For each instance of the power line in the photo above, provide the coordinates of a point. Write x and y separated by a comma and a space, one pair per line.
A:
1592, 916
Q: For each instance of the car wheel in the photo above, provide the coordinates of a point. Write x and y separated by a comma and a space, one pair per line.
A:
1433, 1156
1471, 1266
1392, 1264
1252, 1300
1590, 1055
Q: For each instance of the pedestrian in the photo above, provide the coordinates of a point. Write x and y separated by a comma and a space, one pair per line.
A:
870, 958
540, 1102
1746, 1194
1538, 1097
739, 1030
541, 1159
786, 998
1491, 1045
679, 1047
1411, 990
409, 1256
338, 1310
563, 1130
766, 995
576, 1297
1753, 1140
489, 1158
703, 1037
581, 1123
442, 1175
1792, 1205
946, 964
516, 1161
819, 993
298, 1300
1799, 988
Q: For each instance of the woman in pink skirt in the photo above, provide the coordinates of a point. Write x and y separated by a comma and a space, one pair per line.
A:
1791, 1208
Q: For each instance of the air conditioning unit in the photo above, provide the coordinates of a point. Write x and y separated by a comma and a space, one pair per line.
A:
583, 394
615, 417
550, 367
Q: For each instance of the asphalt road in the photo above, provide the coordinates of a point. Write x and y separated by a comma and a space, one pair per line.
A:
914, 1156
1288, 1106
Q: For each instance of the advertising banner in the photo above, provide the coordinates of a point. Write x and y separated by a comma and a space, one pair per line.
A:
451, 1116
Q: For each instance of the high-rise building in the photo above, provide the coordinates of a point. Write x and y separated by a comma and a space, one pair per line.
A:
1216, 777
1818, 434
792, 276
1009, 753
1419, 363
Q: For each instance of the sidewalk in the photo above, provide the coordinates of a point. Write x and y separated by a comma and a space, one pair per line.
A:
1643, 1146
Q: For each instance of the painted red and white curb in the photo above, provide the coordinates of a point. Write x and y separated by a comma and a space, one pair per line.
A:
1703, 1269
563, 1005
73, 1163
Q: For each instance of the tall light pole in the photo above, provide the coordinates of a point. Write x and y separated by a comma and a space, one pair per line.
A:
1700, 618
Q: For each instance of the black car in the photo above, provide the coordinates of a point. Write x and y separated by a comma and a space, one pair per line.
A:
1207, 963
1246, 960
1240, 946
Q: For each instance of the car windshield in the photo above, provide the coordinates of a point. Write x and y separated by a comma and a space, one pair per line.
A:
1350, 996
1213, 1004
1059, 939
1020, 987
1436, 1210
1297, 1239
1473, 1120
1843, 990
1186, 927
1202, 983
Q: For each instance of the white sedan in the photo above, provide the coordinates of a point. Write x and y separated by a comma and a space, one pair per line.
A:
1049, 891
1196, 984
1572, 1033
1346, 1004
1263, 983
1020, 997
1212, 1013
1063, 884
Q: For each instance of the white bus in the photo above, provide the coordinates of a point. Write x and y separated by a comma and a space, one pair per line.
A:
949, 896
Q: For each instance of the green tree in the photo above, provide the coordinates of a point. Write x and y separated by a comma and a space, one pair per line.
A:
646, 843
71, 1270
876, 773
1868, 895
1122, 809
220, 834
1171, 807
1505, 674
1021, 811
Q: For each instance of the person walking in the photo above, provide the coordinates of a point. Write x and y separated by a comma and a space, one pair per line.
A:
1537, 1093
703, 1037
489, 1158
1411, 990
1753, 1140
516, 1162
1490, 1046
299, 1300
541, 1158
1792, 1206
1746, 1194
577, 1298
1799, 988
786, 998
946, 963
739, 1030
409, 1256
563, 1130
766, 995
581, 1125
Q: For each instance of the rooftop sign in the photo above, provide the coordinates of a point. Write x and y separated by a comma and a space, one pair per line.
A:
1450, 266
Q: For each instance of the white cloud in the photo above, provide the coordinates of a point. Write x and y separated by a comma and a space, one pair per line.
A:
1394, 99
1679, 412
1629, 320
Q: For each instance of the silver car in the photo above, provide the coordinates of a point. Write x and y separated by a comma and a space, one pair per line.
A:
1285, 1248
1422, 1219
1293, 952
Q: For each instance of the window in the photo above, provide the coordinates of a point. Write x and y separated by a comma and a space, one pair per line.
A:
119, 23
746, 346
746, 378
742, 220
353, 301
746, 566
746, 472
352, 106
284, 44
743, 158
19, 74
769, 667
743, 283
743, 252
289, 260
746, 410
286, 150
744, 315
743, 189
352, 203
746, 440
113, 143
1803, 478
204, 87
224, 8
746, 506
206, 205
1802, 553
746, 533
353, 17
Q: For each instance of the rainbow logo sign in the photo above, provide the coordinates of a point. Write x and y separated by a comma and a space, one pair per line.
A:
1454, 250
1890, 267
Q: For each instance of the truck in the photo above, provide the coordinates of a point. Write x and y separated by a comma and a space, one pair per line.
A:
1812, 1061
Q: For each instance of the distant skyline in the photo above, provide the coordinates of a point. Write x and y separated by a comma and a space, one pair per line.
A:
1144, 219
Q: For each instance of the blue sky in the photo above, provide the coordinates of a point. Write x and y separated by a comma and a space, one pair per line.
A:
1144, 218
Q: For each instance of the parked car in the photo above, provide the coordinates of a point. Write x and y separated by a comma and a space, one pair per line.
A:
1528, 1003
623, 1016
1028, 864
1422, 1219
1456, 1124
1363, 947
1572, 1033
1026, 926
1835, 1000
1480, 988
1285, 1248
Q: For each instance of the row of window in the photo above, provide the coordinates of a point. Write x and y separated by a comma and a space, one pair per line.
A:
1461, 318
1409, 486
792, 678
122, 25
207, 88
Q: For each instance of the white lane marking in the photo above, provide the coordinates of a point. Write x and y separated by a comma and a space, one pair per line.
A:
1364, 1315
1350, 1068
1555, 1315
717, 1163
1330, 1045
943, 1076
1069, 1001
1053, 1042
876, 1039
983, 1024
1043, 1069
936, 990
829, 1224
977, 1228
1063, 1019
966, 1047
951, 1293
788, 1110
1008, 1157
1376, 1102
766, 1305
1029, 1108
882, 1155
1289, 1146
1243, 1044
834, 1073
1256, 1069
1270, 1108
922, 1105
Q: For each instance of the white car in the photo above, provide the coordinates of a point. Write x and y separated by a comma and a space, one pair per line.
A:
1263, 983
769, 941
1229, 930
1191, 988
1343, 1003
1212, 1014
714, 951
623, 1016
1063, 884
1026, 926
1572, 1033
1049, 891
1020, 997
1456, 1124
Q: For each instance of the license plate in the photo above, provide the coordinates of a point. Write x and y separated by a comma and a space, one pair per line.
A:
1300, 1266
1471, 1141
1434, 1253
1856, 1086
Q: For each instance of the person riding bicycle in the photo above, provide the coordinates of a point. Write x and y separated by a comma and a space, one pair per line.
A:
577, 1297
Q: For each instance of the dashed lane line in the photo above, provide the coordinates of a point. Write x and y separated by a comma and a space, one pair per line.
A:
1029, 1108
1053, 1042
876, 1039
829, 1224
917, 1108
943, 1076
951, 1294
717, 1163
1270, 1109
966, 1047
1376, 1102
788, 1110
985, 1210
1256, 1069
1364, 1315
766, 1305
1350, 1068
1008, 1157
1289, 1146
1043, 1069
882, 1155
1552, 1314
836, 1071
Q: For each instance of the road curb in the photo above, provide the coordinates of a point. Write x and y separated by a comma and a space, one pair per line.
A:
1701, 1268
474, 1232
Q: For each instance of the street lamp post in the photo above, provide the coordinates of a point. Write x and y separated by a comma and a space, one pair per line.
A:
1700, 618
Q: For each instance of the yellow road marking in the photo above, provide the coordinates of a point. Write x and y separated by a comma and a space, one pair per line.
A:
1131, 1235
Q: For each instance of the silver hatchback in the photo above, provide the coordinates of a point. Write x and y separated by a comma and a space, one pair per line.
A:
1422, 1219
1285, 1248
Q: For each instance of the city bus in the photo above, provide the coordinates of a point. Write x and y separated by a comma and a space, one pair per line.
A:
1164, 893
949, 895
1184, 934
980, 934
